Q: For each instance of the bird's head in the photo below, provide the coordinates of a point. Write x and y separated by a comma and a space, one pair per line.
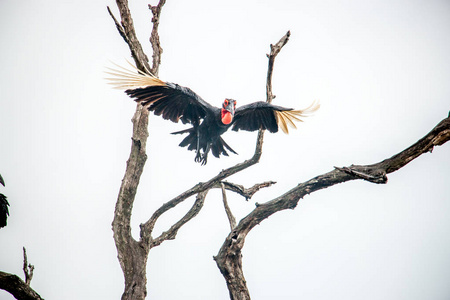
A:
228, 109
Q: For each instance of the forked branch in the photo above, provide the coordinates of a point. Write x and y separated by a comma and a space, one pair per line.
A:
17, 287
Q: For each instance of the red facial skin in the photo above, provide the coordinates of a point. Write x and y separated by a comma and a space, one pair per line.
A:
228, 108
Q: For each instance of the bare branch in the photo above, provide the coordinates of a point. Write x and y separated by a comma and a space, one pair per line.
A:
229, 261
126, 30
119, 27
274, 50
241, 190
17, 287
172, 232
229, 257
230, 216
154, 38
132, 254
27, 268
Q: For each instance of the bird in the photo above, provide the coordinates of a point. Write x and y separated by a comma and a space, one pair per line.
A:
174, 102
4, 213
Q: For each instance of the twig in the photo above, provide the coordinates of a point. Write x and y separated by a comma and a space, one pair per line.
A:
379, 176
27, 268
274, 50
154, 37
230, 216
241, 190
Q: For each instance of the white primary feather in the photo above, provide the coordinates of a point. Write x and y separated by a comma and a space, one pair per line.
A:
124, 78
286, 118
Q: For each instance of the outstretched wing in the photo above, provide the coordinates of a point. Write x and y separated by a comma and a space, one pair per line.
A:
169, 100
263, 115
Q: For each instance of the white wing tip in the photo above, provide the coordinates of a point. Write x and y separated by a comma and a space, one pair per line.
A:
286, 118
123, 78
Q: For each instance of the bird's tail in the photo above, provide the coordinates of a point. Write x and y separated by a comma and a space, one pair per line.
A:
190, 140
125, 79
287, 117
218, 146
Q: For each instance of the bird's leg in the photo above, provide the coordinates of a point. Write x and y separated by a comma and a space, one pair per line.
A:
198, 156
205, 154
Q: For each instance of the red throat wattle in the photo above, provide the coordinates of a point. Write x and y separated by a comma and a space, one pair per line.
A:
226, 117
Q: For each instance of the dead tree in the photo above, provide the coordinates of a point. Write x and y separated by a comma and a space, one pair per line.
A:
133, 254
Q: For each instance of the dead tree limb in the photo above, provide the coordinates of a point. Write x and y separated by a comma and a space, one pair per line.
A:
229, 258
231, 218
27, 268
17, 287
230, 265
247, 193
133, 254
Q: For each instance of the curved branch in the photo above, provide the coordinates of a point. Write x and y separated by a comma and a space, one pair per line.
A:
231, 218
229, 256
172, 232
17, 287
247, 193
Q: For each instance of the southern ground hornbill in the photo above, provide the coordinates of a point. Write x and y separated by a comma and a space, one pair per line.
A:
174, 102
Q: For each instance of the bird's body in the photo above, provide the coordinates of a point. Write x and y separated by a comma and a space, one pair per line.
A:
174, 102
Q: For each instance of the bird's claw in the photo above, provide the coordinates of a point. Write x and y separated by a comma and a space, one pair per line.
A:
201, 158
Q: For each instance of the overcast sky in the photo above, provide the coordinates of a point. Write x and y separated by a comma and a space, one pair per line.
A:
381, 71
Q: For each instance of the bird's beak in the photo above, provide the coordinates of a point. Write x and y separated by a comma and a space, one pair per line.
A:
231, 107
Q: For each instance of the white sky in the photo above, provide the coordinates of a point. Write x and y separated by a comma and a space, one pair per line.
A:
381, 71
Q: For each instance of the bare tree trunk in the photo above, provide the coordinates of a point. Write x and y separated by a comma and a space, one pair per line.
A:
133, 254
229, 262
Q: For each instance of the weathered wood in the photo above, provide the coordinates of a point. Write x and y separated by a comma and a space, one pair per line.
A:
133, 254
17, 287
229, 258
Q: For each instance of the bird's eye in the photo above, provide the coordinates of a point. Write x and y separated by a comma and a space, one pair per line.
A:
235, 103
225, 102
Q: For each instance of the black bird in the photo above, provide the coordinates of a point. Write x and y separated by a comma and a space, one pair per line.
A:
174, 102
4, 213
